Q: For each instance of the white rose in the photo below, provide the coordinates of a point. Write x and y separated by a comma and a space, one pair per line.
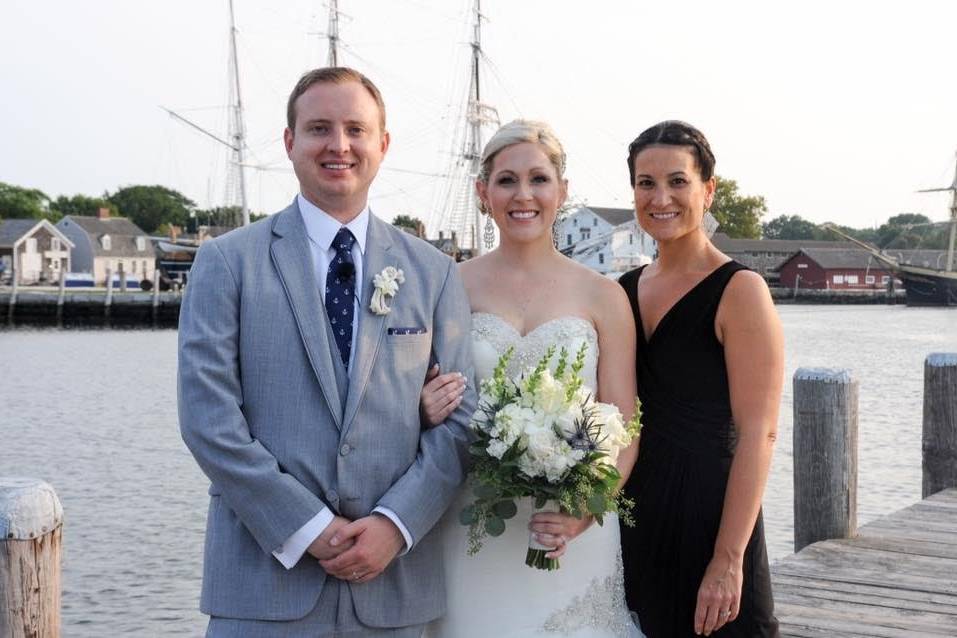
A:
565, 421
497, 448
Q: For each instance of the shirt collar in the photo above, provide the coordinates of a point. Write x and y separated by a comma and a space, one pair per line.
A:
322, 227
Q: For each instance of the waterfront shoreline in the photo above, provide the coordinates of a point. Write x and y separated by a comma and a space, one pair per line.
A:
97, 307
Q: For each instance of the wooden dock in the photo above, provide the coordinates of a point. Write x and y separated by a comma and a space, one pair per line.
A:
897, 577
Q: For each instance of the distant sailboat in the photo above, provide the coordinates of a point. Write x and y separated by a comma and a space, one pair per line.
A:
924, 286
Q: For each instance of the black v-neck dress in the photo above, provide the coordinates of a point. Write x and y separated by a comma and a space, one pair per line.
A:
679, 480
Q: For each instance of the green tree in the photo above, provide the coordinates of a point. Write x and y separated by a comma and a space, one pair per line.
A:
407, 221
910, 230
739, 216
790, 227
82, 205
149, 207
17, 202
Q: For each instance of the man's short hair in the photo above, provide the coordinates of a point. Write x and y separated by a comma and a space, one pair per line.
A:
332, 75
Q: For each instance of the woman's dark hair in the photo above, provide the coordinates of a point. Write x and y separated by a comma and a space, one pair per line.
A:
674, 133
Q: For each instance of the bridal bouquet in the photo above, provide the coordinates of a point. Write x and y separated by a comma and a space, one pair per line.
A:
543, 435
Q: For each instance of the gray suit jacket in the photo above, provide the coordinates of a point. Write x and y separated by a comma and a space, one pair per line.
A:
281, 439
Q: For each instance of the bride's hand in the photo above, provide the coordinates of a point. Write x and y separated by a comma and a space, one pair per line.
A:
554, 529
441, 394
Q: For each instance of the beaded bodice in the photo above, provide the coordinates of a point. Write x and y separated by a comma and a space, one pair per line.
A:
492, 335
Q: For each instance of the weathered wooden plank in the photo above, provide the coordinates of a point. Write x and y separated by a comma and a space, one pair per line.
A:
794, 631
837, 554
847, 620
814, 588
914, 573
909, 529
907, 545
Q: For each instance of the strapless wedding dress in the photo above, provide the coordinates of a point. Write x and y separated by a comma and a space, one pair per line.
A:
493, 593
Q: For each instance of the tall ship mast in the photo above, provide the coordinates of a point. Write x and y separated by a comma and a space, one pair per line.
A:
235, 141
333, 34
460, 213
236, 179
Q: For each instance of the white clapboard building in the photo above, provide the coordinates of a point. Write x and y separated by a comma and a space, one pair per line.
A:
607, 240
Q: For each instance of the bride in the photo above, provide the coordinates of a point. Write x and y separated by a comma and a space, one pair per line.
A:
526, 295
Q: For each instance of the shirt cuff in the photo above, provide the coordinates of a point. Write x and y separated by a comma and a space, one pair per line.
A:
392, 516
296, 545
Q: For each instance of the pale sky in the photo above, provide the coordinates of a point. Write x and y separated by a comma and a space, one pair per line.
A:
832, 110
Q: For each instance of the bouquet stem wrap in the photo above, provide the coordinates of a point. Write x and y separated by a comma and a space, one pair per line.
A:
537, 553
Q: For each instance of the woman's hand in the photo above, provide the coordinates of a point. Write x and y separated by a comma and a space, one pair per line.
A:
554, 529
441, 394
719, 596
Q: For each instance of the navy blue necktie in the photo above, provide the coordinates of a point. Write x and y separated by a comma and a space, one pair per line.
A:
340, 288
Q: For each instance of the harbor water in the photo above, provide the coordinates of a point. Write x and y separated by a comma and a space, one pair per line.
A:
94, 414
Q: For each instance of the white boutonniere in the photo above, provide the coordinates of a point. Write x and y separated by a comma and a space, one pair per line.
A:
386, 285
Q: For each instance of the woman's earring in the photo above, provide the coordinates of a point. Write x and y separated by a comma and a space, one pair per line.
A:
709, 224
488, 235
555, 233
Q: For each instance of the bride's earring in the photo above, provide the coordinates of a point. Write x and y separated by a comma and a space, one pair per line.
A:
488, 235
555, 237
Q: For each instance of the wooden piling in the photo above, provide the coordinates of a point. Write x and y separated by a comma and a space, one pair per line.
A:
939, 439
60, 298
108, 302
13, 296
31, 520
825, 455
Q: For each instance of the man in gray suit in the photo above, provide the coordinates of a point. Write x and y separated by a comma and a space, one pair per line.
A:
303, 345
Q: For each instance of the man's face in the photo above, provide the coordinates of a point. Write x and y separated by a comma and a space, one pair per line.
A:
337, 146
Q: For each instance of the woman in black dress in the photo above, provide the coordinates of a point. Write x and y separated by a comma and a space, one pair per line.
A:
710, 369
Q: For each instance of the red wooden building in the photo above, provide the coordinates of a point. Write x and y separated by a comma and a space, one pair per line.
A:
833, 268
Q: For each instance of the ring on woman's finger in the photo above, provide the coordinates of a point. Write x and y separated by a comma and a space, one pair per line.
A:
724, 614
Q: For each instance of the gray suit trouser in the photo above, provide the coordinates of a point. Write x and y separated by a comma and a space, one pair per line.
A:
332, 617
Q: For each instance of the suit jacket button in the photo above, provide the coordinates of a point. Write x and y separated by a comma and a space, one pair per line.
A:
345, 449
332, 496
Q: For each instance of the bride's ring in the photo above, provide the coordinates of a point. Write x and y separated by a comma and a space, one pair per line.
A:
355, 576
724, 614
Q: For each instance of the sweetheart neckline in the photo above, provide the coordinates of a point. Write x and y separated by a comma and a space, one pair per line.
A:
547, 322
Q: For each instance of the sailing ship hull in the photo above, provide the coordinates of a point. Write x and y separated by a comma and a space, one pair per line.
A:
926, 287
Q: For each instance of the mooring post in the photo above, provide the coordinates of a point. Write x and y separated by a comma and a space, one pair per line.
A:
825, 455
939, 439
31, 537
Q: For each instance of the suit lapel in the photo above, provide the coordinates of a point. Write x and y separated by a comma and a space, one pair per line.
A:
378, 255
291, 255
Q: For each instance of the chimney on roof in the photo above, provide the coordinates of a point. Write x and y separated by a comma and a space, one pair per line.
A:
441, 235
454, 241
103, 213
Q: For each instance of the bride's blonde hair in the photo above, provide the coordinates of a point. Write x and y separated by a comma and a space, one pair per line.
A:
519, 132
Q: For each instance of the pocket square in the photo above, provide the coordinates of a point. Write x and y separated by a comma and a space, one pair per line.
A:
407, 331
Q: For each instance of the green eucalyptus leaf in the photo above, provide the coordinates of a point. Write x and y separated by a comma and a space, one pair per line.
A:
505, 509
483, 490
468, 515
494, 526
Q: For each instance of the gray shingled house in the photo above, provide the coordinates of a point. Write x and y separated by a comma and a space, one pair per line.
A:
33, 248
115, 243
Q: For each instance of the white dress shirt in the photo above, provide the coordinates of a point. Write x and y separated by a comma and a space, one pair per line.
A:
321, 229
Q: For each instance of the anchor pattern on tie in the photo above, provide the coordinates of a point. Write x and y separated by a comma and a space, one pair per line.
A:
339, 292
